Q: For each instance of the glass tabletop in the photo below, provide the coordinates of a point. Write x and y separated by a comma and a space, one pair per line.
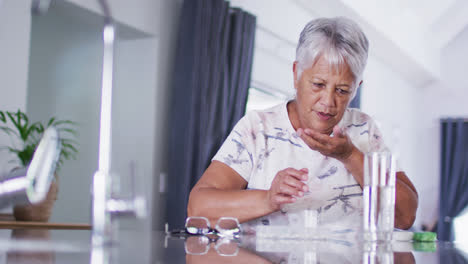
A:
74, 246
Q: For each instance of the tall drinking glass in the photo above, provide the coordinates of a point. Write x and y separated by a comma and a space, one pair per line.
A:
379, 196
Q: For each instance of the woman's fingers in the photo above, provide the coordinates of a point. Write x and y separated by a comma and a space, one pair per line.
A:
287, 185
299, 174
296, 183
320, 138
283, 199
338, 146
290, 190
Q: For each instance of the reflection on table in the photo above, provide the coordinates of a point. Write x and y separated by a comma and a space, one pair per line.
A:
254, 249
74, 246
31, 256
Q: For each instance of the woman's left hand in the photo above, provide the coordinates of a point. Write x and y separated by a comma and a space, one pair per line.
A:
338, 146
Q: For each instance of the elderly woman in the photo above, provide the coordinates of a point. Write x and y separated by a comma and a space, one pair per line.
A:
312, 144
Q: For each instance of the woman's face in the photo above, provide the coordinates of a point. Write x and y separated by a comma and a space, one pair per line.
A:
322, 95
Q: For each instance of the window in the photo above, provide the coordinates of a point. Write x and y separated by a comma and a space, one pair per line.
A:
263, 98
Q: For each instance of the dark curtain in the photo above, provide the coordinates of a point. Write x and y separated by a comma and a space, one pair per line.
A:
210, 84
453, 175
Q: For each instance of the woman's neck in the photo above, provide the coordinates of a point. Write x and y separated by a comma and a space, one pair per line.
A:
292, 114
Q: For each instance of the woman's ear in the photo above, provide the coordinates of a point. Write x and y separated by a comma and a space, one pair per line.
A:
295, 71
355, 91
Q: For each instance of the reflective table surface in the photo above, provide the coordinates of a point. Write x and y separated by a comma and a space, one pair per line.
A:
74, 246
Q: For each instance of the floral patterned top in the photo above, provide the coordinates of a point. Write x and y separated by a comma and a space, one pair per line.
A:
265, 142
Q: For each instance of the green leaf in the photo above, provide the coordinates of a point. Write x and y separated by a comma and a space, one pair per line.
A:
9, 131
64, 122
39, 128
18, 122
69, 141
66, 155
26, 154
69, 130
13, 120
23, 116
51, 121
33, 128
70, 146
2, 117
13, 150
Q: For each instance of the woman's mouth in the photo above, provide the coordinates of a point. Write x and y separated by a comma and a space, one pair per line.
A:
324, 116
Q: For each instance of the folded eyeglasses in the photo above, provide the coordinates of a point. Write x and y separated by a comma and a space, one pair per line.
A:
198, 225
198, 235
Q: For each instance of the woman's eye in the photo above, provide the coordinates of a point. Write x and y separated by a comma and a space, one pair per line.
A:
319, 85
341, 91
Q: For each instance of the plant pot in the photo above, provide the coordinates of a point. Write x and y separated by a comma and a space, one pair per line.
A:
40, 212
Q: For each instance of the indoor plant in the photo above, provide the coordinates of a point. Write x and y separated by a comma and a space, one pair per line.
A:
25, 137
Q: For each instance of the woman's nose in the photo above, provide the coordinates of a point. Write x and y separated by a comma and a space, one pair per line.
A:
328, 98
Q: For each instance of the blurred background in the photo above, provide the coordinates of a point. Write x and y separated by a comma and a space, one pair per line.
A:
50, 64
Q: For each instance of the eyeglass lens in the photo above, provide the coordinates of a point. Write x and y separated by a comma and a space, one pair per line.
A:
225, 227
227, 247
200, 245
197, 226
228, 227
197, 245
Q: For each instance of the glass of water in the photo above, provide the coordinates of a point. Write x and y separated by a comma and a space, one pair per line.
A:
379, 196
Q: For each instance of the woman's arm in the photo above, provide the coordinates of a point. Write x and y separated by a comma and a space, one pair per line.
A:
406, 202
341, 148
221, 192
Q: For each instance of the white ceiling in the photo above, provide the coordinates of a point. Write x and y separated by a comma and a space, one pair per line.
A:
407, 35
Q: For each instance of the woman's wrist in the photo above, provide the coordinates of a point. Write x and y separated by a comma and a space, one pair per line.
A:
354, 163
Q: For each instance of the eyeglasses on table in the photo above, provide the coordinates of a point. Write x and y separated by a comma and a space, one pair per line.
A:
198, 225
198, 235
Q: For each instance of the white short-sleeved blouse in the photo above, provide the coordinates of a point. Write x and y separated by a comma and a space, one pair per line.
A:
265, 142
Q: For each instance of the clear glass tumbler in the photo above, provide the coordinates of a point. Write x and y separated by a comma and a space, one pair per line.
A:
379, 196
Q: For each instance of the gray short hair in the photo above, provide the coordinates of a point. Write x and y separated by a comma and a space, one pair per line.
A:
340, 39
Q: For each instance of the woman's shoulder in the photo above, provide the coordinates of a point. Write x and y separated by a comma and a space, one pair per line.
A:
354, 117
268, 115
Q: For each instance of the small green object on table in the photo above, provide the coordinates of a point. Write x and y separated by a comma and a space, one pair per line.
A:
425, 236
425, 241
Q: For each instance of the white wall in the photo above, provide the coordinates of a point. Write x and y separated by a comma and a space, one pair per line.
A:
446, 98
14, 53
167, 26
139, 14
391, 101
64, 81
134, 118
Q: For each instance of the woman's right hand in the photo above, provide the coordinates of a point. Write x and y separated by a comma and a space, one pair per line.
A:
286, 186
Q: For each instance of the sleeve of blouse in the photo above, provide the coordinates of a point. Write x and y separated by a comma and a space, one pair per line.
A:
236, 151
376, 140
377, 143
